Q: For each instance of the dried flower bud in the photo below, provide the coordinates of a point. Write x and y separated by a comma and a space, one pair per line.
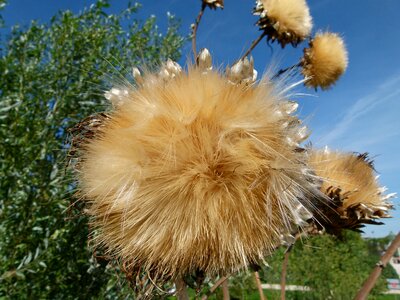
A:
324, 61
116, 96
242, 72
137, 75
349, 181
169, 70
214, 4
286, 21
204, 60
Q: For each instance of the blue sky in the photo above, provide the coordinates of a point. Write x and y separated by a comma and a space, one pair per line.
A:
361, 113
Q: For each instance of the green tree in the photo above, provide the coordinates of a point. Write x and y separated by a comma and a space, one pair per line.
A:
333, 268
52, 76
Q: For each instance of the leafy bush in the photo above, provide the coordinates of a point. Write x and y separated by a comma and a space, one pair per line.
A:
52, 76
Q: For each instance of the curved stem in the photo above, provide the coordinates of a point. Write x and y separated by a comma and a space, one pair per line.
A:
253, 45
214, 287
195, 27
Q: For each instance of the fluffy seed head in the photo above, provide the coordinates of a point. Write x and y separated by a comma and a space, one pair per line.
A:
325, 60
349, 180
195, 173
287, 21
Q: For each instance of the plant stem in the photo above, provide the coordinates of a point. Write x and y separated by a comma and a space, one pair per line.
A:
258, 283
225, 290
253, 45
214, 287
284, 271
373, 277
181, 290
195, 27
282, 71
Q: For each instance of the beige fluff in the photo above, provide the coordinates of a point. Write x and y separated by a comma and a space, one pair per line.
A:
195, 173
325, 60
350, 181
288, 21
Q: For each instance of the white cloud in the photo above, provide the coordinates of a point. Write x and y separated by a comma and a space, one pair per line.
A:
363, 112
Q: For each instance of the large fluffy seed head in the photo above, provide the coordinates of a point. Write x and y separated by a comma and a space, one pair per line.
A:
325, 60
350, 181
288, 21
195, 173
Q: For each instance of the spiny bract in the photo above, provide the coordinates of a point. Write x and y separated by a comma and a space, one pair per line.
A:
193, 172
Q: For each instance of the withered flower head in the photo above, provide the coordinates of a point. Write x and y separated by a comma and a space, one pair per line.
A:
325, 60
214, 4
350, 181
192, 172
286, 21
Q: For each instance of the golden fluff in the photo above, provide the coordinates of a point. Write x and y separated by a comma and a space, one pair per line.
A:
195, 173
325, 60
288, 21
349, 180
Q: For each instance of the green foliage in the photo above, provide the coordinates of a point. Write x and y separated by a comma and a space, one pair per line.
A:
242, 285
2, 5
52, 76
333, 268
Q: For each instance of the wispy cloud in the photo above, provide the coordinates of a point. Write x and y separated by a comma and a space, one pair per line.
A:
386, 92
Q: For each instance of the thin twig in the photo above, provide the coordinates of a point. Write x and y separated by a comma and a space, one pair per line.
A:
195, 27
284, 271
253, 45
214, 287
373, 277
258, 283
282, 71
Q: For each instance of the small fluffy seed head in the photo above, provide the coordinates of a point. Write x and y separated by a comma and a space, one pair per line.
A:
287, 21
350, 181
195, 173
325, 60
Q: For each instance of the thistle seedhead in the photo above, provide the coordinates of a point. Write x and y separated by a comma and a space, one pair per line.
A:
349, 181
285, 21
193, 172
324, 61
